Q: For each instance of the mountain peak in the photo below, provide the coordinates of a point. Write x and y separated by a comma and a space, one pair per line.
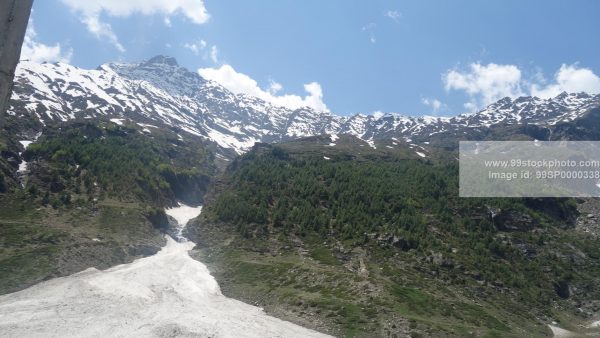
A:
162, 60
562, 95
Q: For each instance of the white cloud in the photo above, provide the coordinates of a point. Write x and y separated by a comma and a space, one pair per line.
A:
102, 30
274, 87
470, 106
369, 26
435, 104
570, 79
240, 83
370, 29
485, 83
90, 12
36, 51
196, 47
214, 54
393, 14
200, 48
315, 97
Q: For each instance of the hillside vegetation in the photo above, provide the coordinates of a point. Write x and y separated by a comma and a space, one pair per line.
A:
93, 196
381, 245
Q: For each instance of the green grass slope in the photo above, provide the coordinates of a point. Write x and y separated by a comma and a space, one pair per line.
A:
370, 243
94, 196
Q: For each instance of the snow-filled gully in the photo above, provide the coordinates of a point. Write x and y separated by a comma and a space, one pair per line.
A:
167, 294
23, 171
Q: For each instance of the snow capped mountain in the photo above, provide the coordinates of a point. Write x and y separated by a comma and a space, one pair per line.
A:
160, 93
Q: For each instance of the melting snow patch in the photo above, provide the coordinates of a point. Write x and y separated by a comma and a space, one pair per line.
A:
31, 106
221, 156
420, 154
371, 143
22, 168
560, 332
230, 141
192, 131
326, 158
183, 214
91, 105
144, 125
117, 121
22, 171
25, 144
334, 137
166, 294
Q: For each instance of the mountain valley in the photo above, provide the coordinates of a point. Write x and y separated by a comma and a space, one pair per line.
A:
350, 225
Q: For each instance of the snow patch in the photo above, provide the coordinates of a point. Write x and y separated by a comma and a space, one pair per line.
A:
167, 294
560, 332
22, 170
183, 214
117, 121
26, 144
144, 125
594, 324
371, 143
231, 142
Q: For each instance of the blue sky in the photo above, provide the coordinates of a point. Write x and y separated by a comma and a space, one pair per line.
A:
410, 57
